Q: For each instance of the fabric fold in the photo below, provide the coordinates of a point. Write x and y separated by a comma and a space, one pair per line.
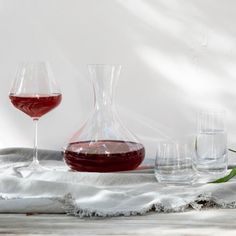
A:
98, 194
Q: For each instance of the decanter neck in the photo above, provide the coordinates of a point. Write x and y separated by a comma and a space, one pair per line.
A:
104, 78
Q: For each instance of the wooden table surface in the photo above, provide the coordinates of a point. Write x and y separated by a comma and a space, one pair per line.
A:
206, 222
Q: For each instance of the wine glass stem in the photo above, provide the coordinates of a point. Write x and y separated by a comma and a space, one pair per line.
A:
35, 155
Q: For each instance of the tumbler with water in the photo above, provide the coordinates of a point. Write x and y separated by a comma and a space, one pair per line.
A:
211, 157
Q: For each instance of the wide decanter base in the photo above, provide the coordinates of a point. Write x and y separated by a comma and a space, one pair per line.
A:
104, 155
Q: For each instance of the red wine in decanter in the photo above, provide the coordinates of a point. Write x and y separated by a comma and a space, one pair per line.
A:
35, 105
104, 155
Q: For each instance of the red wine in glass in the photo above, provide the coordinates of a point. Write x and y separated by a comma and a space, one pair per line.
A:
35, 92
35, 106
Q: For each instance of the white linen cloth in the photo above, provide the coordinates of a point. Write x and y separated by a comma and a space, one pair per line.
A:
98, 194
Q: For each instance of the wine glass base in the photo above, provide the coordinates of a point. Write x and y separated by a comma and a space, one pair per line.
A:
27, 170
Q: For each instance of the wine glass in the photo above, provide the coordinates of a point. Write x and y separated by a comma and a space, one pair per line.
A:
35, 92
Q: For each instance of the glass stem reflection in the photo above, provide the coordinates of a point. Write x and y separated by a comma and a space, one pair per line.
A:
35, 154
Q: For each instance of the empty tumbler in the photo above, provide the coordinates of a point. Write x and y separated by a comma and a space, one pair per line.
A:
174, 163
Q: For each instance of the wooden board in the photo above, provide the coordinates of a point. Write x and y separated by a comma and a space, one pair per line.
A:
207, 222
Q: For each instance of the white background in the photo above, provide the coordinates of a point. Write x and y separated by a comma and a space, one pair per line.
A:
178, 56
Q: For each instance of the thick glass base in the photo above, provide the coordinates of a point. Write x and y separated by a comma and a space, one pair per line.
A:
175, 180
203, 177
211, 173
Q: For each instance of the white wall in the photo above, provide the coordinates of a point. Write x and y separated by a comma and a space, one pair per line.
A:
178, 56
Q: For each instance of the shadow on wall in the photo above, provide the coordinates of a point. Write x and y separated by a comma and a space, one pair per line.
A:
190, 51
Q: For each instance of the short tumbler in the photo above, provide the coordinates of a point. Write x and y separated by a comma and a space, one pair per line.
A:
174, 163
211, 157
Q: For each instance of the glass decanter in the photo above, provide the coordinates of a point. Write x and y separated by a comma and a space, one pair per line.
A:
103, 144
